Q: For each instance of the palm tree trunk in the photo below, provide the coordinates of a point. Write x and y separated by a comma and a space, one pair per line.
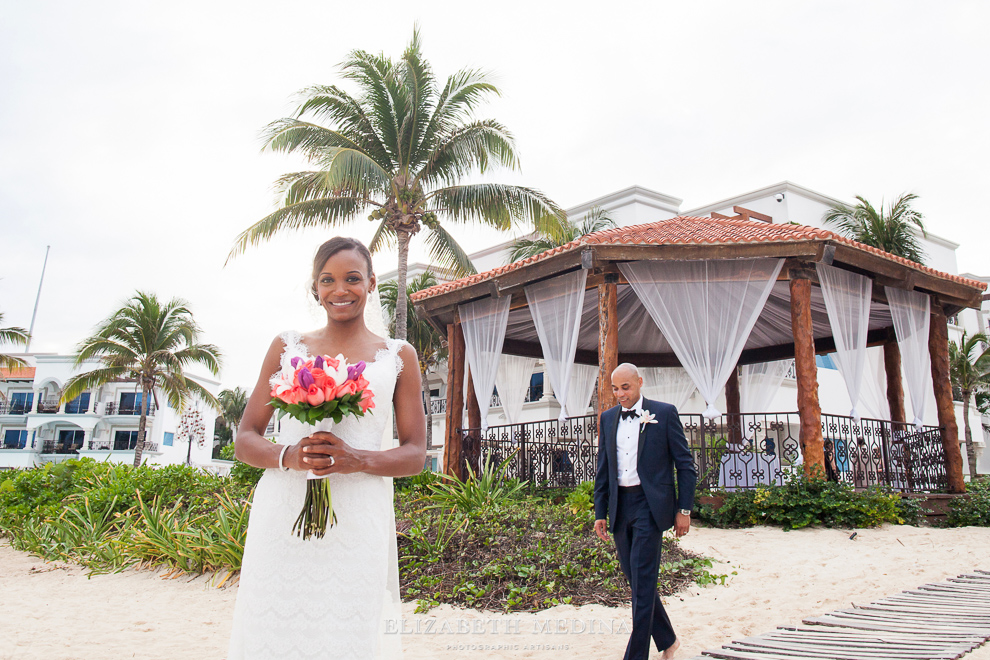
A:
401, 303
142, 424
970, 449
429, 409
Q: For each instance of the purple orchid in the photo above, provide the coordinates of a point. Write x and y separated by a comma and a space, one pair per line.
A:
295, 362
318, 362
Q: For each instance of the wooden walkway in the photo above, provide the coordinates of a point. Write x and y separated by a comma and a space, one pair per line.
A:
933, 622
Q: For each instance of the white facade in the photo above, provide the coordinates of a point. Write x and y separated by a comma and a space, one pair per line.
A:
35, 428
783, 202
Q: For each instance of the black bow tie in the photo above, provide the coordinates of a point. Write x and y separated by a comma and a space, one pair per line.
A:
627, 414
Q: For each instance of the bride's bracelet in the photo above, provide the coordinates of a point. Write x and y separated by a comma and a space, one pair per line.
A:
281, 456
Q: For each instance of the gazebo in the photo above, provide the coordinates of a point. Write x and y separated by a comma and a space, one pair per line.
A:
710, 295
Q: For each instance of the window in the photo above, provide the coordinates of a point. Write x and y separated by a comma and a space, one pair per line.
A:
15, 439
535, 392
435, 394
69, 441
825, 362
169, 439
130, 403
20, 402
123, 440
78, 405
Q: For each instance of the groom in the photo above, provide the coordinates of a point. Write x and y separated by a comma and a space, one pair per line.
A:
640, 444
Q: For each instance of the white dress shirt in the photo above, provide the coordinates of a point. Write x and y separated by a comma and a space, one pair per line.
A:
627, 446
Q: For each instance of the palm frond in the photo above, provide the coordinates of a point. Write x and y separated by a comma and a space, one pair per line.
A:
891, 231
446, 252
91, 380
326, 212
384, 238
493, 204
523, 248
472, 147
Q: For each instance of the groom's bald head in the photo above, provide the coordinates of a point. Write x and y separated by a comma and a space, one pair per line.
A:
626, 383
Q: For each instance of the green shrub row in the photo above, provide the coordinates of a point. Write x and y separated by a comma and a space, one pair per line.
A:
803, 502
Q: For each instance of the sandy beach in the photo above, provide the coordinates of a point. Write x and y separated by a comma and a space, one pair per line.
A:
54, 611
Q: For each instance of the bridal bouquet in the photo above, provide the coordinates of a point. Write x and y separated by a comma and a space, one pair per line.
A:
311, 391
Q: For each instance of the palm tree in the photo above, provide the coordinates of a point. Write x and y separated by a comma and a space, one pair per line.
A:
596, 219
429, 344
969, 370
400, 149
12, 335
232, 405
891, 231
150, 343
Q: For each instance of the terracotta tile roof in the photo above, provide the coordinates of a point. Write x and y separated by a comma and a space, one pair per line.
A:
17, 373
687, 230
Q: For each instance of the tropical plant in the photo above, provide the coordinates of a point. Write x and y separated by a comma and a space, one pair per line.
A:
151, 343
429, 344
401, 147
232, 405
891, 231
597, 219
12, 335
969, 371
487, 488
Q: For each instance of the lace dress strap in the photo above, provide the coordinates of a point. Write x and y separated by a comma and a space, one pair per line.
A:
393, 346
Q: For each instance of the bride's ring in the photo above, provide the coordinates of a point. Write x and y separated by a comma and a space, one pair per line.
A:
332, 461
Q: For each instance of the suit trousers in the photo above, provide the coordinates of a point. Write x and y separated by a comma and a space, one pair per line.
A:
639, 543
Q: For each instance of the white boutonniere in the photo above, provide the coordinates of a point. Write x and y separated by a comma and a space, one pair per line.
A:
646, 417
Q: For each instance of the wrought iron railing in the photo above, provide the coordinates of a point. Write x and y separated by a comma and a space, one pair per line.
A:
731, 452
112, 408
15, 407
438, 406
48, 406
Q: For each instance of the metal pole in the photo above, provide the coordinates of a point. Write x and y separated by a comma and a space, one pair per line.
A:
34, 314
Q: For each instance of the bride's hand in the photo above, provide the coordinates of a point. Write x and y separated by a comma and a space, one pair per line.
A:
324, 453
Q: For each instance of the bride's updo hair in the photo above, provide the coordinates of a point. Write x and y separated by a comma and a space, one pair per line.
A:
332, 247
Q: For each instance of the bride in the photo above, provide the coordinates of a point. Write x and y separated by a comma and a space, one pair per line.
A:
329, 597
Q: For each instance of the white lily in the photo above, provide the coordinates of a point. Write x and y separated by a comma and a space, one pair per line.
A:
282, 381
646, 417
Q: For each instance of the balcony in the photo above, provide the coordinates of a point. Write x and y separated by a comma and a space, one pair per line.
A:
117, 409
48, 406
15, 407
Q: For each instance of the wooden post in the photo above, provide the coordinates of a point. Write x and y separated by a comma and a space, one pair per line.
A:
608, 340
895, 385
938, 348
473, 409
809, 408
455, 399
732, 408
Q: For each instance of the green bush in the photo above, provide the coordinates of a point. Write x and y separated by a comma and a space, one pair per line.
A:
108, 516
804, 502
972, 510
418, 483
487, 488
582, 497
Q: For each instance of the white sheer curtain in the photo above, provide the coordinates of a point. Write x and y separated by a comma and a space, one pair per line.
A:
758, 383
847, 299
671, 385
483, 322
583, 379
512, 379
706, 310
874, 395
556, 306
910, 310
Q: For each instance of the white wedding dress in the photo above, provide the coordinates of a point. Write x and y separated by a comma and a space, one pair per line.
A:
330, 597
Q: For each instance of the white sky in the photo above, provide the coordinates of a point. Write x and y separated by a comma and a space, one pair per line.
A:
129, 130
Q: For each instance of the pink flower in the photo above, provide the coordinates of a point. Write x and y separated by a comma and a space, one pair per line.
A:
296, 395
347, 387
361, 382
315, 395
367, 401
319, 376
330, 362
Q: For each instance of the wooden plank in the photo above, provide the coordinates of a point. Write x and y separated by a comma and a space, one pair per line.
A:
848, 650
920, 617
933, 610
845, 622
895, 636
742, 655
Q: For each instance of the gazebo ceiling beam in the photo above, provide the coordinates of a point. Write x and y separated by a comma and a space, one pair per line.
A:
823, 346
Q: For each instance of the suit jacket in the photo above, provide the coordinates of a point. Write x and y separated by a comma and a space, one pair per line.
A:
662, 447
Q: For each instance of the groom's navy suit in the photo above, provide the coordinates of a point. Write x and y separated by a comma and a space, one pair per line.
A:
638, 515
